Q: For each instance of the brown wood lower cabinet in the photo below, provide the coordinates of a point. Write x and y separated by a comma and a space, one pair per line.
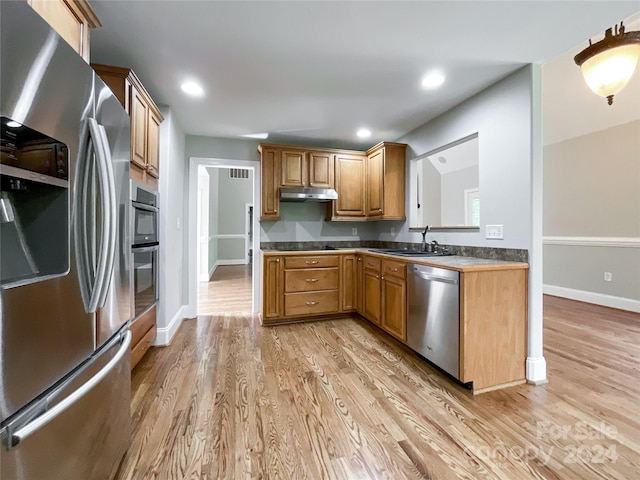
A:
143, 334
493, 305
393, 295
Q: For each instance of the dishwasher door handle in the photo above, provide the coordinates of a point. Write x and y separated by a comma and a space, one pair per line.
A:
435, 278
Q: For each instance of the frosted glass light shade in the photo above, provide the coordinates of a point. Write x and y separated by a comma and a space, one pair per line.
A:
609, 72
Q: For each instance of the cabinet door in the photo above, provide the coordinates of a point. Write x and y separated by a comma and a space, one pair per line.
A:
375, 183
348, 283
153, 145
270, 173
293, 169
394, 306
359, 283
139, 118
350, 173
321, 170
371, 293
273, 301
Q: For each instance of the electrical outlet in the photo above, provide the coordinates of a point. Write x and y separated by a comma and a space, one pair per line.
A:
495, 232
608, 277
393, 230
354, 231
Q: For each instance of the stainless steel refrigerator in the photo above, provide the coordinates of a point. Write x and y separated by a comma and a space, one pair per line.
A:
65, 262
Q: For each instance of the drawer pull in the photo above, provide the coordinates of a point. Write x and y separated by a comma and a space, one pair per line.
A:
314, 262
312, 303
394, 269
311, 280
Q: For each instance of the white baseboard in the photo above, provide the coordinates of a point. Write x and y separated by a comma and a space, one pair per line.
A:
238, 261
165, 334
536, 370
592, 297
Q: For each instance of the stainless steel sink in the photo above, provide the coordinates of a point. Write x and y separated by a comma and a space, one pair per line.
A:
408, 253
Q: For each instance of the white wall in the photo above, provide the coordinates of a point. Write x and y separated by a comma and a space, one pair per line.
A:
236, 193
507, 118
214, 207
172, 302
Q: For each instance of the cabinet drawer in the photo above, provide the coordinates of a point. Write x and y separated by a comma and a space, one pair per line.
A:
372, 263
395, 269
306, 280
142, 325
310, 303
312, 261
138, 350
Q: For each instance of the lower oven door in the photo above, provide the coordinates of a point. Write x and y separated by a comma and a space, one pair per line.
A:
145, 278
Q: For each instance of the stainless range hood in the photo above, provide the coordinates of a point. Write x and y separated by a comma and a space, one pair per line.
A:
307, 194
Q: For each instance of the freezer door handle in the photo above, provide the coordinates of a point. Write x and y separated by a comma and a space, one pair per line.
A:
32, 427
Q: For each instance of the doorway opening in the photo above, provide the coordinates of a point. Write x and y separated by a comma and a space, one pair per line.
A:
222, 271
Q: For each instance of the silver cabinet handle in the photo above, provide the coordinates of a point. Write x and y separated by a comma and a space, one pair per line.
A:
394, 269
312, 303
311, 280
61, 407
314, 262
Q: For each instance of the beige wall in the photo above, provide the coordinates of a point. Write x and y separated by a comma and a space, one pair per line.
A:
592, 190
592, 184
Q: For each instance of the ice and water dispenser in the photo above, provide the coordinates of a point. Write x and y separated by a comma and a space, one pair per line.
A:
34, 205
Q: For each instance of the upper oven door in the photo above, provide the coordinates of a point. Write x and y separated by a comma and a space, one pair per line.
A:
145, 224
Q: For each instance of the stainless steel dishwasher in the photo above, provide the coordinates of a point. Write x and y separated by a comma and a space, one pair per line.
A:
433, 322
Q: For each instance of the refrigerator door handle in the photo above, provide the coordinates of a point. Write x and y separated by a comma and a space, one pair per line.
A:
110, 201
108, 213
35, 425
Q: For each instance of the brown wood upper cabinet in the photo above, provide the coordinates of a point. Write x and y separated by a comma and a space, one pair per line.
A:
350, 173
72, 19
145, 121
270, 168
385, 181
301, 168
371, 186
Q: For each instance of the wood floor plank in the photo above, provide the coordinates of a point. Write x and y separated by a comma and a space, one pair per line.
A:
338, 399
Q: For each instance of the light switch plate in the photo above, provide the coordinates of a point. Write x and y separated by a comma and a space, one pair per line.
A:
495, 232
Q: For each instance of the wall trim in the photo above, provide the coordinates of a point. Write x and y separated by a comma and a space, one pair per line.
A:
164, 335
236, 261
605, 300
536, 368
620, 242
228, 235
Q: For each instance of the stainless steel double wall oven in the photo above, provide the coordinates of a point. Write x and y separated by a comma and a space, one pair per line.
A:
145, 245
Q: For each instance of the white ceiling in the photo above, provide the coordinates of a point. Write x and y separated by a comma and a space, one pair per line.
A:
459, 156
315, 72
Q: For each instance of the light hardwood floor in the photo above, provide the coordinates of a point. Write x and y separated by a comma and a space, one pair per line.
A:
228, 291
339, 399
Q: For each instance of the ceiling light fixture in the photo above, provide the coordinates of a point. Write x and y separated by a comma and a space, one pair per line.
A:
363, 133
432, 80
261, 136
607, 65
192, 88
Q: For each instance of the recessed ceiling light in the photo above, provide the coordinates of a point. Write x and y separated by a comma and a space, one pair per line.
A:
363, 133
432, 80
261, 136
192, 88
442, 160
12, 124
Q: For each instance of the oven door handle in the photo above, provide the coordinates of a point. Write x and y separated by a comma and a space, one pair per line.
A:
144, 206
150, 248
